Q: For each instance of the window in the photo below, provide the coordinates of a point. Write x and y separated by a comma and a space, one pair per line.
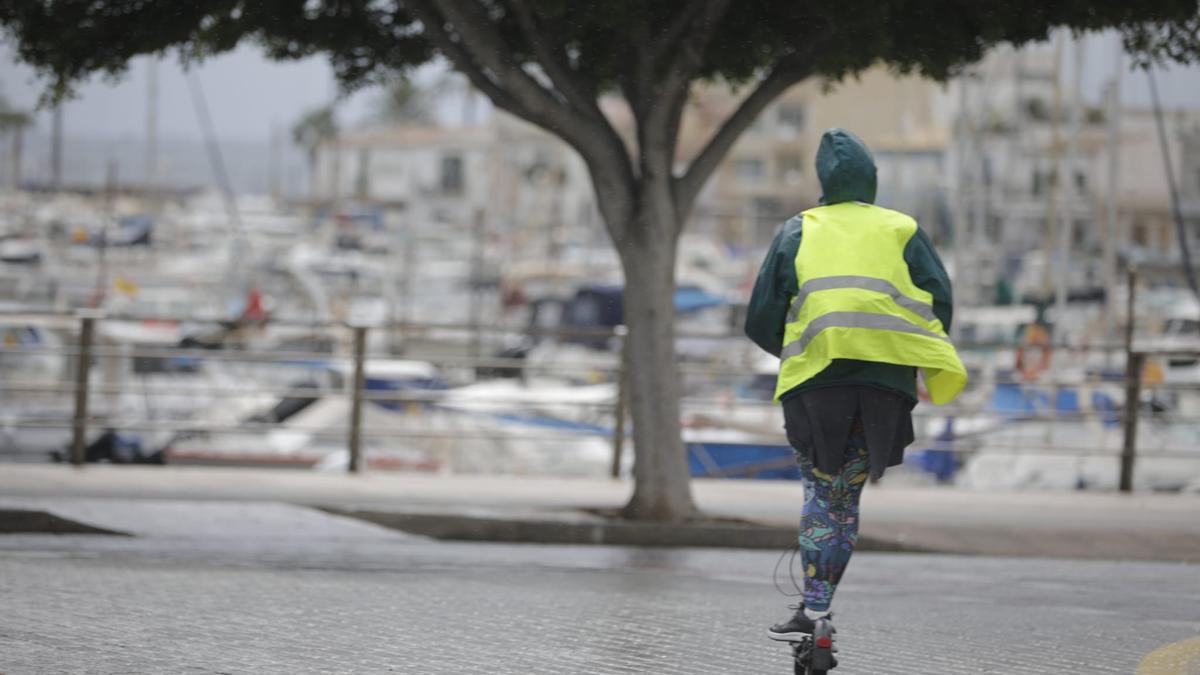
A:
789, 167
1043, 181
767, 208
1081, 182
362, 179
1037, 110
749, 169
452, 174
791, 119
1141, 233
992, 227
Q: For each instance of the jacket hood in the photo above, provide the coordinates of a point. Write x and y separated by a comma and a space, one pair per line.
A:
846, 168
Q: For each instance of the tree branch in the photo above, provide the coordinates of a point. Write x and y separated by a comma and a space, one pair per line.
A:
778, 81
665, 88
486, 59
463, 61
689, 57
551, 58
663, 43
675, 121
483, 42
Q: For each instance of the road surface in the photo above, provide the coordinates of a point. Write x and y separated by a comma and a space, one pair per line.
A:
240, 587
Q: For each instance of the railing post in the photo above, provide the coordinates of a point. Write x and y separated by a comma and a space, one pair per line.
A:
356, 398
478, 224
87, 329
618, 437
1133, 389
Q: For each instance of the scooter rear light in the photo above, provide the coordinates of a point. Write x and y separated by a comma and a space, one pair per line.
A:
824, 642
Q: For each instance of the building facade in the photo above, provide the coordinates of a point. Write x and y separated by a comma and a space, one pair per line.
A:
991, 164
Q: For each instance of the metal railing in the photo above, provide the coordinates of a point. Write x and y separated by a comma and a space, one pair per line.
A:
85, 352
608, 417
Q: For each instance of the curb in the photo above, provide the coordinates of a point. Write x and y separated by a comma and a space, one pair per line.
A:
593, 531
26, 521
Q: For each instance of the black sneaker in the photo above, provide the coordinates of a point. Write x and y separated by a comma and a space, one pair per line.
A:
795, 628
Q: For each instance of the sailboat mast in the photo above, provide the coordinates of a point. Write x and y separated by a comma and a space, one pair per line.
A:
1110, 200
1066, 180
152, 129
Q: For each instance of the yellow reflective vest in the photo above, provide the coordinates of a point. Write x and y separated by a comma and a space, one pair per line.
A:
858, 301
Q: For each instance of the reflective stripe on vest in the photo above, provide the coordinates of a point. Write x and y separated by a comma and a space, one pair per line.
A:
854, 320
857, 301
866, 283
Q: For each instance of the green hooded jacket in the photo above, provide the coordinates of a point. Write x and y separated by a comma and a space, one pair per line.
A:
847, 172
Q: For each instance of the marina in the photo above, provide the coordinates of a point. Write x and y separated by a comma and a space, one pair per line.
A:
202, 363
468, 253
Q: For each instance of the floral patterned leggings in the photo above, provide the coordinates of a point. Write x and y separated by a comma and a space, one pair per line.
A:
829, 522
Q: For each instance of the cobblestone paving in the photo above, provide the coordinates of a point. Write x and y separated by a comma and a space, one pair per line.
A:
76, 604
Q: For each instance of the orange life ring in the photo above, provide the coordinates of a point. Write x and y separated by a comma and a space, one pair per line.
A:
1036, 337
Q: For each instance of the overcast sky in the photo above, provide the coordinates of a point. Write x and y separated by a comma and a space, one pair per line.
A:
247, 95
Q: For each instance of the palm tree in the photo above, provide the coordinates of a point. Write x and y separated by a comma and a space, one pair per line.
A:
14, 122
403, 102
312, 129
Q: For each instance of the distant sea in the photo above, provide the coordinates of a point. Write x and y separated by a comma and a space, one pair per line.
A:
182, 164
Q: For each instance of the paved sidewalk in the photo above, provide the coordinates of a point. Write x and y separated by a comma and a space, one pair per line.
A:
1032, 523
132, 606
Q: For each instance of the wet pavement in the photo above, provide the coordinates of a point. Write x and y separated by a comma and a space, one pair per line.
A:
271, 588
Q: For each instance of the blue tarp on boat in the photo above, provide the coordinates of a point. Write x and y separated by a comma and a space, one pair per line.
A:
742, 460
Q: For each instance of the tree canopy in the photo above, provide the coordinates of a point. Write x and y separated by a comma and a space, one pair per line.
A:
597, 43
547, 60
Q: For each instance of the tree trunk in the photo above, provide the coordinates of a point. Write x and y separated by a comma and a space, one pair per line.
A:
662, 489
